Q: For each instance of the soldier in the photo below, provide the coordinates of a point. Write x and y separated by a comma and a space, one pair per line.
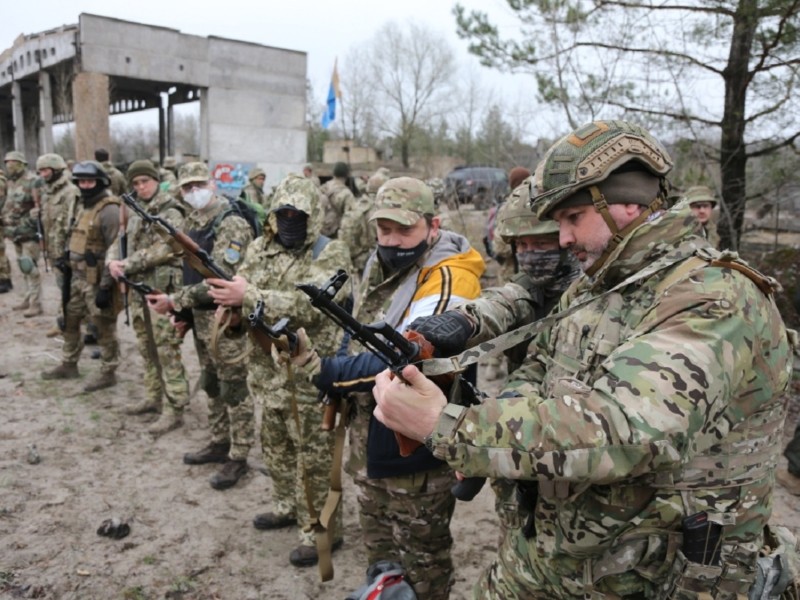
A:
308, 173
254, 190
297, 452
57, 201
118, 184
20, 227
789, 477
151, 260
650, 414
702, 202
357, 227
544, 272
225, 235
417, 269
337, 200
500, 250
93, 228
5, 265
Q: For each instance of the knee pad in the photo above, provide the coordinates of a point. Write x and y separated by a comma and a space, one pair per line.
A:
26, 264
233, 392
209, 383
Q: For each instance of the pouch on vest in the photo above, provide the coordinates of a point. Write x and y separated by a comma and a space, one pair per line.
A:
778, 569
26, 264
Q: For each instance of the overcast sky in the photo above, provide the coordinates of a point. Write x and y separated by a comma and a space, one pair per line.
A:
324, 30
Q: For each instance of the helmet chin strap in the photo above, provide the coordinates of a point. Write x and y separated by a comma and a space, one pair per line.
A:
600, 203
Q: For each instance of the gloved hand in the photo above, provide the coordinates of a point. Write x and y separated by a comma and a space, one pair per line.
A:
103, 298
448, 331
62, 263
304, 360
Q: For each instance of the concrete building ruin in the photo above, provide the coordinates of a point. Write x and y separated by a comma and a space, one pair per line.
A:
252, 97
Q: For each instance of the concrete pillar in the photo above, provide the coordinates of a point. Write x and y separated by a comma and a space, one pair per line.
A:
45, 114
17, 116
205, 127
170, 127
90, 99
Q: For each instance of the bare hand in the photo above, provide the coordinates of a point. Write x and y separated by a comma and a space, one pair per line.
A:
227, 293
116, 268
411, 408
160, 303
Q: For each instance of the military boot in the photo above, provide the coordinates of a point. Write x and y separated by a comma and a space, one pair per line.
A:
306, 556
62, 371
21, 306
166, 422
143, 407
103, 381
213, 453
271, 520
229, 474
34, 310
54, 331
5, 286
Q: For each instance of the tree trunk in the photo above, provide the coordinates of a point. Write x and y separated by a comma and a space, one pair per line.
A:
733, 153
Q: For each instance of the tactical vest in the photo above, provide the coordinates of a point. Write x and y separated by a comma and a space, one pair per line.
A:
87, 247
747, 455
204, 238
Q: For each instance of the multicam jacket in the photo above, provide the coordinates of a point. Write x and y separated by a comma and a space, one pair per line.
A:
337, 200
19, 226
646, 405
58, 202
150, 258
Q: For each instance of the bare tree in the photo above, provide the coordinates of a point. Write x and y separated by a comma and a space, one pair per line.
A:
732, 65
411, 72
358, 98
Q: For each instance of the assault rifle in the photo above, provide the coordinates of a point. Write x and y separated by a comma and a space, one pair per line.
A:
40, 236
182, 244
266, 336
123, 254
144, 289
396, 351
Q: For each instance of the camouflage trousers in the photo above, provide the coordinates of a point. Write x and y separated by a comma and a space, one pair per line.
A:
230, 411
172, 383
407, 519
290, 454
81, 306
511, 515
28, 259
5, 264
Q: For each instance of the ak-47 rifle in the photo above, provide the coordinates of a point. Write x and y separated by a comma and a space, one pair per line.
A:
396, 351
144, 289
40, 237
182, 244
278, 335
123, 254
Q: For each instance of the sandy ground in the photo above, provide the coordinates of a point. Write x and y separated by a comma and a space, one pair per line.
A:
187, 540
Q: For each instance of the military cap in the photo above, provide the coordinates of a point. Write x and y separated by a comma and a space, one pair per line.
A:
193, 172
256, 172
170, 162
700, 193
403, 200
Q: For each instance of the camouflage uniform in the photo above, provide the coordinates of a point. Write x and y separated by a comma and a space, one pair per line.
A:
152, 261
119, 185
92, 231
253, 193
337, 201
20, 227
657, 398
230, 413
57, 203
702, 193
271, 270
357, 228
405, 504
5, 264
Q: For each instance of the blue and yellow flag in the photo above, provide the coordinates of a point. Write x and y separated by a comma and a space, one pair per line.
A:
333, 92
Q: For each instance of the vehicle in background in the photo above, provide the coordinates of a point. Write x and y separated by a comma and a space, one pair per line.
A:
482, 186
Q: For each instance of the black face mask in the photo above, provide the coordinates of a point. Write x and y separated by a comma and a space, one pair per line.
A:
91, 195
292, 231
399, 258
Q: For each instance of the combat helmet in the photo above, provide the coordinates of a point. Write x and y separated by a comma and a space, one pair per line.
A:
51, 161
90, 169
700, 193
515, 218
588, 155
602, 163
15, 155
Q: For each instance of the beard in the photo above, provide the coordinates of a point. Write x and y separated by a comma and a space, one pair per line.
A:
586, 257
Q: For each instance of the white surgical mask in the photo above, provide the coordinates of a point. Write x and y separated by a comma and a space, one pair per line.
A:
198, 198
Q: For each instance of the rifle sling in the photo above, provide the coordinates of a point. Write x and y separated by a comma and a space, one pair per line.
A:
219, 326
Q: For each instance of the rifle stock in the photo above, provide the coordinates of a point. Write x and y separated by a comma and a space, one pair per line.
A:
278, 335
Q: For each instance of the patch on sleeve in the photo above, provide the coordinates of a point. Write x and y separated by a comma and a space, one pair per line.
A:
233, 253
